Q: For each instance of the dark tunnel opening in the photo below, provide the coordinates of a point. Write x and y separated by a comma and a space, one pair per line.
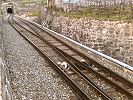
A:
10, 11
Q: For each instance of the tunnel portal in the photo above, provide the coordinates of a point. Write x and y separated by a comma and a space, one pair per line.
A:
9, 10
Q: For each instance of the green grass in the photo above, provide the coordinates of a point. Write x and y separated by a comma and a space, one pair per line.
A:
32, 1
110, 13
35, 13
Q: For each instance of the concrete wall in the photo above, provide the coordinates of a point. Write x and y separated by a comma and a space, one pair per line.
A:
113, 38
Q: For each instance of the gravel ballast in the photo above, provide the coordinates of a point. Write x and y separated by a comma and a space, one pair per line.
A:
31, 77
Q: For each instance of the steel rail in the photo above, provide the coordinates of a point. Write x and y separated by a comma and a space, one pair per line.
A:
124, 80
103, 94
118, 87
64, 76
85, 66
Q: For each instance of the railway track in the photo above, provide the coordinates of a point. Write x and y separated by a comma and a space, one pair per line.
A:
88, 79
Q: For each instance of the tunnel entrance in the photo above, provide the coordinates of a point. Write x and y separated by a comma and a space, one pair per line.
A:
10, 11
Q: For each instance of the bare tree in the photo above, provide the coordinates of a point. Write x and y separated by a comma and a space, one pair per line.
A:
108, 10
120, 8
114, 2
131, 8
100, 4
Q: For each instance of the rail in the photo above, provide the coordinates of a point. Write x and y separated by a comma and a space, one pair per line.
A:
100, 58
81, 64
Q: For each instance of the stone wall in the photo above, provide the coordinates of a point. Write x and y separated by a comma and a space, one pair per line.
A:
113, 38
5, 90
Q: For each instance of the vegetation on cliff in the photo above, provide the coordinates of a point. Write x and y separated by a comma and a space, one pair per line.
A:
32, 1
98, 10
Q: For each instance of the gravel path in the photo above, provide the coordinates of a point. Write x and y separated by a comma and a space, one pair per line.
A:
31, 77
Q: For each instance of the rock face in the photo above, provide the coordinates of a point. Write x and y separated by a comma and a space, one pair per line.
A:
113, 38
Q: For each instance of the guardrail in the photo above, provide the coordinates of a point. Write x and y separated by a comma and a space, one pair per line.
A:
100, 58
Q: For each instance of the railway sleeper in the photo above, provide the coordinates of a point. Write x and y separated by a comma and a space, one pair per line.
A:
110, 90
